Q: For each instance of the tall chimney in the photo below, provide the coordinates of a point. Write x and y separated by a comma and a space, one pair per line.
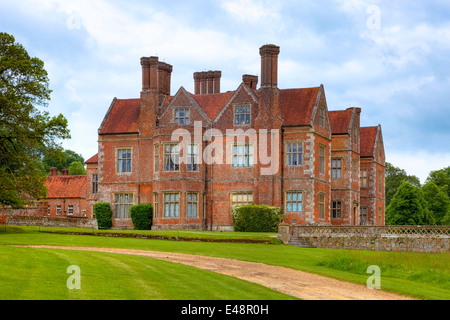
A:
145, 63
210, 79
217, 76
197, 76
156, 75
203, 83
250, 81
164, 75
53, 171
153, 63
207, 82
269, 65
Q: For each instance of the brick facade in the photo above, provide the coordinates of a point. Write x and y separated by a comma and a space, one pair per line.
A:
267, 146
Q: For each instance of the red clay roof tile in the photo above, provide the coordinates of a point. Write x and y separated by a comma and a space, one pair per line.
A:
93, 159
368, 136
123, 117
297, 105
59, 187
340, 121
212, 104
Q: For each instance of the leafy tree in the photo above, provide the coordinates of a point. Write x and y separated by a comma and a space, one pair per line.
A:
24, 127
77, 169
59, 158
441, 178
438, 201
408, 207
394, 178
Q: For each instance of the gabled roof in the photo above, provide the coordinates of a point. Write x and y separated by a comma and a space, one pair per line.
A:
212, 104
61, 187
368, 138
122, 117
297, 105
340, 121
92, 160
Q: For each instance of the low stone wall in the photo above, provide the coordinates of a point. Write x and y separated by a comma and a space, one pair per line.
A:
67, 222
429, 239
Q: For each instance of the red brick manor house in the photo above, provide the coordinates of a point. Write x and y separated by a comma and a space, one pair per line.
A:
194, 156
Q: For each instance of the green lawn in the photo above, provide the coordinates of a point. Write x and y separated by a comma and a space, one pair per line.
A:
424, 276
30, 274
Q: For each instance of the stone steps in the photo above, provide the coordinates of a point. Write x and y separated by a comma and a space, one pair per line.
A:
299, 242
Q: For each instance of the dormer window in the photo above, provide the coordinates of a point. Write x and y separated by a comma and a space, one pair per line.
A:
182, 116
322, 117
242, 115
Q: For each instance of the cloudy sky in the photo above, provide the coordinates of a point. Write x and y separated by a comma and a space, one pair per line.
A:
391, 58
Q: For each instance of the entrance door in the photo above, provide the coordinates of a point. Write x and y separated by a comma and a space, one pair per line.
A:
355, 214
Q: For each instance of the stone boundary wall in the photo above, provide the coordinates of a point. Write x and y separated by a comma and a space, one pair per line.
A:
431, 239
67, 222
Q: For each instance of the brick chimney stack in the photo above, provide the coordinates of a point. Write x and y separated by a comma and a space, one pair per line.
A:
207, 82
250, 81
156, 75
269, 65
64, 172
53, 171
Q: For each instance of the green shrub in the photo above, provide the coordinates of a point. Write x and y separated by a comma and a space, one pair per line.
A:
103, 214
256, 218
142, 216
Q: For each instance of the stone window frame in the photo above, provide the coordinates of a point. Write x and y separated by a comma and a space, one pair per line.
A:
237, 202
116, 151
355, 169
299, 154
247, 154
322, 116
155, 205
364, 177
363, 215
155, 158
94, 183
192, 159
291, 201
190, 204
336, 209
169, 202
336, 169
182, 120
246, 115
380, 215
322, 205
380, 181
168, 157
122, 204
322, 158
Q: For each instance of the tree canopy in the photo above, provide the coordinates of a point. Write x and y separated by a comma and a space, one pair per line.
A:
408, 207
24, 126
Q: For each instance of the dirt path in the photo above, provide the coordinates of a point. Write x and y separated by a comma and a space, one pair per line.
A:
296, 283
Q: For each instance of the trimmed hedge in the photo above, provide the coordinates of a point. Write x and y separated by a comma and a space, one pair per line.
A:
142, 216
256, 218
103, 214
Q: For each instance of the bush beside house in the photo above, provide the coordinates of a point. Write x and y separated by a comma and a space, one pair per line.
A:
256, 218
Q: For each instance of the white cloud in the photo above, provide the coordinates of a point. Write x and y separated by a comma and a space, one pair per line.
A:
419, 163
252, 12
403, 46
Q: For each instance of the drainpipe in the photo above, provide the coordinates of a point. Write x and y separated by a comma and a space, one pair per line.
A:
211, 175
282, 170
